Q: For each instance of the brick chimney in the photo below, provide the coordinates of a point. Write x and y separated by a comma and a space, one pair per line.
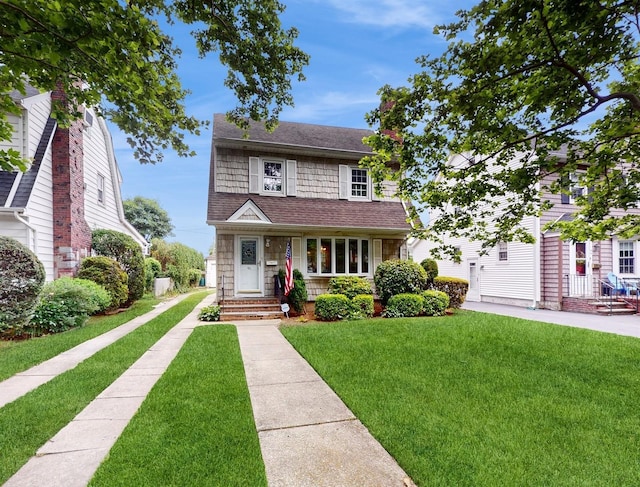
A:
71, 233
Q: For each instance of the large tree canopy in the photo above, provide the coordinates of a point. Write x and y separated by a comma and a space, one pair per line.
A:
148, 217
113, 54
554, 82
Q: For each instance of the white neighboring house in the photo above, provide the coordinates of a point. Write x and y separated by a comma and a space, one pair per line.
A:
551, 273
71, 187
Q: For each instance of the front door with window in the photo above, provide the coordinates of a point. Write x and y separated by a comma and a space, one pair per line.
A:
580, 275
248, 275
473, 294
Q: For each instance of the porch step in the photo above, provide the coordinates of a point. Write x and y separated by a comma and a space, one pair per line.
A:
613, 307
250, 309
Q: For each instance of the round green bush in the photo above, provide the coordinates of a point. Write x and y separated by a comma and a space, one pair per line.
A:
108, 273
152, 269
453, 287
431, 268
123, 249
362, 305
435, 303
22, 276
332, 307
399, 276
404, 305
350, 286
67, 303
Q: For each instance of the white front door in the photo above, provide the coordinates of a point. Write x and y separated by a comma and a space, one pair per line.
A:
580, 275
248, 275
473, 294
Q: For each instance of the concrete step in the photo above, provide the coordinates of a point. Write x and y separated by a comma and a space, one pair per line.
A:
616, 311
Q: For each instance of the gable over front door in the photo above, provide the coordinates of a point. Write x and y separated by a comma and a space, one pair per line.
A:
249, 277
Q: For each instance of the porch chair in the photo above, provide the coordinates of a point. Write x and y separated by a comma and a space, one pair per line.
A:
618, 284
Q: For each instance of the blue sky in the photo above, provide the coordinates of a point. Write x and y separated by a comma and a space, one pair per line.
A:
356, 47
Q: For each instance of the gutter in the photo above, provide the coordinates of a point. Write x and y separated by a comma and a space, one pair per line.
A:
33, 243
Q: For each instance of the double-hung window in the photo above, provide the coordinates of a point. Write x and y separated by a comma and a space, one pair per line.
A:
503, 252
272, 176
355, 183
337, 256
626, 257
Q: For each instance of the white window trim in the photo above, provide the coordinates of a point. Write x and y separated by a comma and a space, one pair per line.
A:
333, 273
616, 258
574, 178
100, 183
288, 176
504, 251
346, 183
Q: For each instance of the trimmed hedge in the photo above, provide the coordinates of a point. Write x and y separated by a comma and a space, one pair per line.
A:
108, 273
454, 287
404, 305
67, 303
123, 249
350, 286
399, 276
22, 276
435, 303
362, 305
332, 307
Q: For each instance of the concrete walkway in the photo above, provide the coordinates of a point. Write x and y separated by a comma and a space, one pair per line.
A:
628, 325
308, 437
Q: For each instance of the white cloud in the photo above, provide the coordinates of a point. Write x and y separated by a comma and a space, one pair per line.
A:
390, 13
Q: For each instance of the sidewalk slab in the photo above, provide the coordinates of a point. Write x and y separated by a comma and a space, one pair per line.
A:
308, 436
328, 455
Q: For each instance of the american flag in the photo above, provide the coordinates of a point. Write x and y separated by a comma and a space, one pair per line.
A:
288, 275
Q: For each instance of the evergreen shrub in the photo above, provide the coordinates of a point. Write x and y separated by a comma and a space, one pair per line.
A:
22, 276
431, 268
435, 302
404, 305
67, 303
332, 307
298, 296
399, 276
123, 249
350, 286
108, 273
152, 269
362, 304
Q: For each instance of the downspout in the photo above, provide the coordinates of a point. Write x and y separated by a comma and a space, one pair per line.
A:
34, 247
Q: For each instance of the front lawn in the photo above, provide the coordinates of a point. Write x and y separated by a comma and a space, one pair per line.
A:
480, 400
196, 425
28, 422
18, 356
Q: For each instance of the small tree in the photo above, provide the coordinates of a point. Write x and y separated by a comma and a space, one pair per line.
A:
431, 268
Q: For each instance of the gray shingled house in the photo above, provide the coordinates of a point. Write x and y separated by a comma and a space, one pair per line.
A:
299, 184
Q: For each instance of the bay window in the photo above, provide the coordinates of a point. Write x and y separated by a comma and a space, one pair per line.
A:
337, 256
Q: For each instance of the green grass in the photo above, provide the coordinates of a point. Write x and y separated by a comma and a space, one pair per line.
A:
18, 356
481, 400
195, 427
27, 423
